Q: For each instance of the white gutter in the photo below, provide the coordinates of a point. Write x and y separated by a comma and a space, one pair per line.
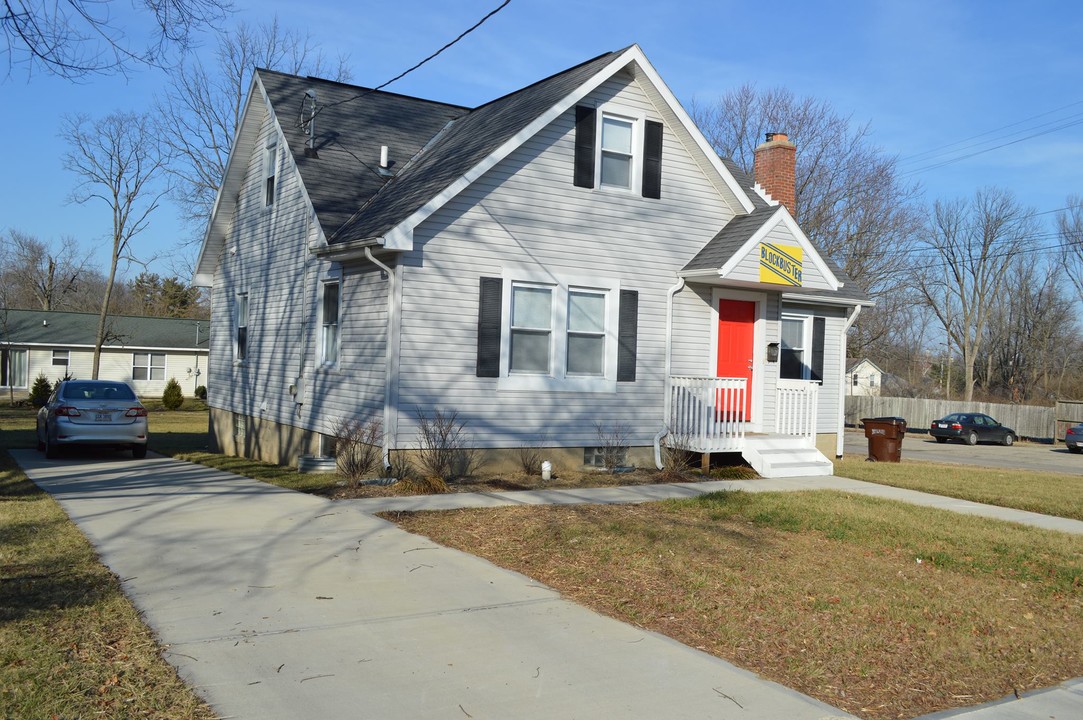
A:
669, 364
388, 353
840, 437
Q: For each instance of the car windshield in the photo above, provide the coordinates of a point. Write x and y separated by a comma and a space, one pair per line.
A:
97, 391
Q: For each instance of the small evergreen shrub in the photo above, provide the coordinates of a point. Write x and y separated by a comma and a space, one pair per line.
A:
172, 397
40, 391
201, 392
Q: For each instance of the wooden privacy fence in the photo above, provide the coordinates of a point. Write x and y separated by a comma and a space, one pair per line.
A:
1029, 421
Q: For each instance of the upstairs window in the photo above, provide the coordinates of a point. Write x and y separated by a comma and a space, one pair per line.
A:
618, 151
148, 366
329, 335
270, 166
240, 340
617, 159
60, 358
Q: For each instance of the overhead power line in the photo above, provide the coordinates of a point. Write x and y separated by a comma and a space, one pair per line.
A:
404, 73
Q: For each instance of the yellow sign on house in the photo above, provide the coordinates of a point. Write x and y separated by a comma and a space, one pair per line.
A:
780, 264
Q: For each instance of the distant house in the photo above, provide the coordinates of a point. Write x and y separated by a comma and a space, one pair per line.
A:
570, 257
144, 351
863, 377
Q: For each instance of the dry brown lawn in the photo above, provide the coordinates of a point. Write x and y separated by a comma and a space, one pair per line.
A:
882, 609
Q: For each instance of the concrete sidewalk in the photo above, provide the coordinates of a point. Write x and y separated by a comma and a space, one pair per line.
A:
647, 493
276, 604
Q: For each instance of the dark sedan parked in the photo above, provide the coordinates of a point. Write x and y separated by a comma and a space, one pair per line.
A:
971, 428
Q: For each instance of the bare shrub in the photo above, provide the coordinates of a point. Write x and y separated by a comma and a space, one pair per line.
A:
530, 455
358, 447
445, 448
677, 463
613, 442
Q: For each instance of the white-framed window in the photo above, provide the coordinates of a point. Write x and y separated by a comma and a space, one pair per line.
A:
560, 333
795, 348
240, 323
617, 161
329, 322
61, 358
270, 169
148, 366
13, 367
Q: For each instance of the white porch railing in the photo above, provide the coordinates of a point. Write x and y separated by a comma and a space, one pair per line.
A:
705, 414
795, 408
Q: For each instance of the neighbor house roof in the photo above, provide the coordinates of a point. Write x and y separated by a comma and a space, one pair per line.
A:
71, 329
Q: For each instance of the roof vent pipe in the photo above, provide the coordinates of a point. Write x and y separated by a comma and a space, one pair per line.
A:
310, 142
385, 163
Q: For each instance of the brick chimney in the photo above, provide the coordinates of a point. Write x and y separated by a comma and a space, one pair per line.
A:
776, 169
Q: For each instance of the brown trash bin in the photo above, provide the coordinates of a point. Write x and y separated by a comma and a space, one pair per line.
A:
885, 437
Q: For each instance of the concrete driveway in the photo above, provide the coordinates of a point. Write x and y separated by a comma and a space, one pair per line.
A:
275, 604
1022, 455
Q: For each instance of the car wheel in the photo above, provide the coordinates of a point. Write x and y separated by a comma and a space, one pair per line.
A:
52, 452
139, 451
1075, 450
941, 440
1008, 439
972, 438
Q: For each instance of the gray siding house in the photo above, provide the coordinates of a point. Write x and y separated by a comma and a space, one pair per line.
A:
569, 257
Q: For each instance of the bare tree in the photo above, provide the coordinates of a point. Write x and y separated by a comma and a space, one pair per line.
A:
1029, 325
76, 38
971, 246
201, 109
850, 199
1070, 230
118, 160
40, 274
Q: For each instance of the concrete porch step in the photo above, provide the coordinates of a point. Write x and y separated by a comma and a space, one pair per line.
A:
778, 456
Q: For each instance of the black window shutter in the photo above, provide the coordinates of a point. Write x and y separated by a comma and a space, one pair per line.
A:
584, 146
489, 319
627, 335
819, 325
652, 160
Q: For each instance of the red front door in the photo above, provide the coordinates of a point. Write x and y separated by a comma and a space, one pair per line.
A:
736, 332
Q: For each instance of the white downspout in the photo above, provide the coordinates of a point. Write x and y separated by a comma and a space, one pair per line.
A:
669, 364
840, 436
388, 353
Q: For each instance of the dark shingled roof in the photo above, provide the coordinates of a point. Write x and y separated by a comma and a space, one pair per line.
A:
46, 327
351, 126
353, 202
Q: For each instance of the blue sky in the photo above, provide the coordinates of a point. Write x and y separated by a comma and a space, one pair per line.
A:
923, 74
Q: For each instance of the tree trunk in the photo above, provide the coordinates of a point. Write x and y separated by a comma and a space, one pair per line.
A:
100, 339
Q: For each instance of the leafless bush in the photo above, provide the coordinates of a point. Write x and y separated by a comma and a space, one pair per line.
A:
530, 455
677, 463
358, 447
445, 449
613, 442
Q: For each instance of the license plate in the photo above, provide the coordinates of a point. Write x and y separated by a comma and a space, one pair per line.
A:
103, 417
941, 425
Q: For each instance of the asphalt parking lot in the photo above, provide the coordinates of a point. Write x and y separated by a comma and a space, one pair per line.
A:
1021, 455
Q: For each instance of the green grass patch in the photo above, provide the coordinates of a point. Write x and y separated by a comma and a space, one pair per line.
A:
1058, 494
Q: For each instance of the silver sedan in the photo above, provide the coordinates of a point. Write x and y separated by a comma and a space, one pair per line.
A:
93, 412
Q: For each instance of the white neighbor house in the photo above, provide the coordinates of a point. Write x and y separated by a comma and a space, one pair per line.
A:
142, 351
863, 377
569, 256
